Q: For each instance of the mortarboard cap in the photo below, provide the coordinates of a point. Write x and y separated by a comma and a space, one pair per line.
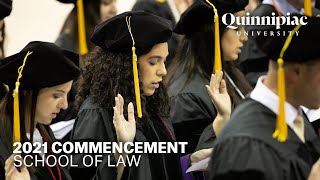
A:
38, 65
292, 49
302, 48
201, 13
129, 31
47, 66
5, 8
147, 30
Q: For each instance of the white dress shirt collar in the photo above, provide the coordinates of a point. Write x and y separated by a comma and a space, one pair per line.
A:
265, 96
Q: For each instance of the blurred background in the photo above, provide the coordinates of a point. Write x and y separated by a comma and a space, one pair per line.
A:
32, 20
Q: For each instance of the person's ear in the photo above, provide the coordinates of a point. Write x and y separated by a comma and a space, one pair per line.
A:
293, 71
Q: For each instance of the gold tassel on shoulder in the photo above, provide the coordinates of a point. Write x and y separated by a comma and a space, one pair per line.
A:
16, 112
83, 49
217, 53
135, 70
281, 132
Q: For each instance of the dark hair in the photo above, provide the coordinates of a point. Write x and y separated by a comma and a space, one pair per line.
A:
109, 74
27, 102
2, 42
92, 18
195, 55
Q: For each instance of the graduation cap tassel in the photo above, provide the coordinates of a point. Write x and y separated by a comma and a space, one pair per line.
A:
135, 71
16, 112
281, 132
83, 49
217, 53
307, 8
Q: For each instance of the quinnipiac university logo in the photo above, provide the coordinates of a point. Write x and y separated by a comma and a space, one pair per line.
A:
272, 23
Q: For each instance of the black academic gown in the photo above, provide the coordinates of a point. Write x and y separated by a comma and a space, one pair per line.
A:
191, 110
42, 172
316, 126
245, 148
95, 124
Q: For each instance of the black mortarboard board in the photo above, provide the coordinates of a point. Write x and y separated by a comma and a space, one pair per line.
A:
131, 31
47, 66
200, 13
5, 8
303, 47
147, 30
36, 66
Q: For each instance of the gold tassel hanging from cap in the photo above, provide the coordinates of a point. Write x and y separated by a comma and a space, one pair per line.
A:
307, 8
83, 49
217, 53
135, 70
16, 112
281, 132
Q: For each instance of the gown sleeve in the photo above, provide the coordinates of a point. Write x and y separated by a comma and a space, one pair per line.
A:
207, 138
93, 125
192, 114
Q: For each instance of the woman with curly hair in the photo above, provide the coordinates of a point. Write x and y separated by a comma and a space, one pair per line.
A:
110, 74
102, 116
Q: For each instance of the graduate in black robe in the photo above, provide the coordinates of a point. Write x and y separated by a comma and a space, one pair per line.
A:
192, 111
109, 74
46, 74
253, 61
68, 39
256, 144
247, 150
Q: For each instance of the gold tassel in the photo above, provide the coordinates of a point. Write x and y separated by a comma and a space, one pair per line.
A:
281, 132
83, 49
217, 53
136, 81
135, 71
16, 112
16, 115
307, 8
